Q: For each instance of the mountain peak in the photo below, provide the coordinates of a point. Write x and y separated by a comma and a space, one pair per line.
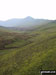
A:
29, 17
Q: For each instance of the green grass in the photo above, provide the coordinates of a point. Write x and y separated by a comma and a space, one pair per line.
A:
35, 50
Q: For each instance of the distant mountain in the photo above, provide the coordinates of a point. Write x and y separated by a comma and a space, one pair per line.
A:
24, 22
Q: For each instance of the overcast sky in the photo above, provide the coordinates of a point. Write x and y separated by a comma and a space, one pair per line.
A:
21, 8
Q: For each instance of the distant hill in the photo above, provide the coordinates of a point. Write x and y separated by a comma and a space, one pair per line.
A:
23, 22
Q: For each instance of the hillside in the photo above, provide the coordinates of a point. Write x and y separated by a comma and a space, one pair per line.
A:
28, 52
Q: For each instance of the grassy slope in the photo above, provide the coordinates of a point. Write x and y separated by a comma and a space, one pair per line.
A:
35, 50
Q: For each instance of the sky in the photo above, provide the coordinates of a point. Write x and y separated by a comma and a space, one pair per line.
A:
44, 9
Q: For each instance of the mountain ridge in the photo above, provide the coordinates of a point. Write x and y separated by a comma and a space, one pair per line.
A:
22, 22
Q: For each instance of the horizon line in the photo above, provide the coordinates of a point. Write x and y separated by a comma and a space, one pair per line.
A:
26, 17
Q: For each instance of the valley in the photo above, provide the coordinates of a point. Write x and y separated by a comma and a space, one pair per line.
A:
27, 51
